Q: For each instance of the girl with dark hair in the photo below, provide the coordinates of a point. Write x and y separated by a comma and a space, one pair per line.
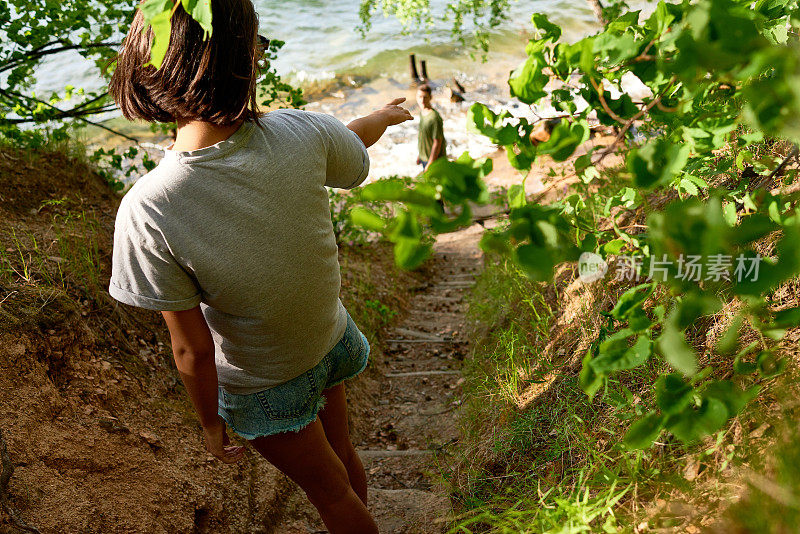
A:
230, 238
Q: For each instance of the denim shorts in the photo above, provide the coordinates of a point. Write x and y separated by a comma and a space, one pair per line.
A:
294, 404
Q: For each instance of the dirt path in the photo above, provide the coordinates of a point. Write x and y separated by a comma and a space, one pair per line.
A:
418, 408
416, 412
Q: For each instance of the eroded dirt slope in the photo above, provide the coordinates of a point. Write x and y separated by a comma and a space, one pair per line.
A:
96, 422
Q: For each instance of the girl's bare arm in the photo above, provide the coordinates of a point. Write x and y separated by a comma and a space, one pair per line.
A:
193, 349
371, 127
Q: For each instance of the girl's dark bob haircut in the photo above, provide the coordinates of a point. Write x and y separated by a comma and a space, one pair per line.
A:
211, 80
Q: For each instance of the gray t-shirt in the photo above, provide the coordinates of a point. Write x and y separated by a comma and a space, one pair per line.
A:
243, 228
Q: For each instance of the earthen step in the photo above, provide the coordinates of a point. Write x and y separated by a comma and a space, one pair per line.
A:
423, 373
372, 453
418, 334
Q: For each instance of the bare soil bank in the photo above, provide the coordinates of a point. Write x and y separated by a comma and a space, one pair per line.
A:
95, 418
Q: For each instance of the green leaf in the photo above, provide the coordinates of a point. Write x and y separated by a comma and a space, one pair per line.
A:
482, 120
769, 365
661, 19
614, 353
527, 82
162, 33
516, 196
492, 242
394, 190
674, 348
537, 262
657, 163
731, 395
631, 300
616, 48
776, 31
589, 380
368, 219
788, 318
200, 11
406, 226
565, 139
673, 393
151, 8
692, 424
729, 212
771, 273
727, 343
638, 321
589, 243
693, 306
544, 29
743, 368
410, 254
644, 432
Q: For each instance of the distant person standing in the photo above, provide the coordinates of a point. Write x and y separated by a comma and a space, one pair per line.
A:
432, 144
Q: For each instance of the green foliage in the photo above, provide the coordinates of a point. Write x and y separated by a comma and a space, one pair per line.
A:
538, 239
35, 31
38, 31
383, 311
720, 73
419, 14
658, 162
455, 183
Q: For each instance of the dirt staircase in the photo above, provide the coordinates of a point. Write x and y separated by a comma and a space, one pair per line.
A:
416, 415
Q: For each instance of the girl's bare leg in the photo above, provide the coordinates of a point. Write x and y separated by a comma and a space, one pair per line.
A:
307, 458
334, 421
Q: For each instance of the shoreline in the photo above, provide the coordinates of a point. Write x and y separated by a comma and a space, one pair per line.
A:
396, 153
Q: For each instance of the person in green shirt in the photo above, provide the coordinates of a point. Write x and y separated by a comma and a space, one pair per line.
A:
432, 144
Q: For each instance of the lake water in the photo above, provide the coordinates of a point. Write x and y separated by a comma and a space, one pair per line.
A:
322, 41
348, 76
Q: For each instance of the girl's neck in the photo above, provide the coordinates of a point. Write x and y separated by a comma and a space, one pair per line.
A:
194, 135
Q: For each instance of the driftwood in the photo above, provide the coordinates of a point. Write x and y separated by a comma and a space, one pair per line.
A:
456, 91
5, 478
412, 69
423, 65
455, 96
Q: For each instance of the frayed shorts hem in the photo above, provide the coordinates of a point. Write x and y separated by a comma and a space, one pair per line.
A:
292, 406
278, 428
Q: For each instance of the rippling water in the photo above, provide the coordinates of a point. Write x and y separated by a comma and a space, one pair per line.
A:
324, 52
322, 41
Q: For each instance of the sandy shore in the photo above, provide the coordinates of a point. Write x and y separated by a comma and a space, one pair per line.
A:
396, 153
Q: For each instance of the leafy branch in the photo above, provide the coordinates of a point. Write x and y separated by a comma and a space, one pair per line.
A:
723, 75
628, 124
79, 112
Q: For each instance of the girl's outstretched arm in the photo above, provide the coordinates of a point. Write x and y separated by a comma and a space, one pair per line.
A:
371, 127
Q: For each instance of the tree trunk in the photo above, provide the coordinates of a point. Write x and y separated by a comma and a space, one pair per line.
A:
597, 7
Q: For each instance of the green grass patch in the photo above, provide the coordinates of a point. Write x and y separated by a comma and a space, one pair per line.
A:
539, 455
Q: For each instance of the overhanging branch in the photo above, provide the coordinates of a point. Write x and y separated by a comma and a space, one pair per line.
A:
65, 114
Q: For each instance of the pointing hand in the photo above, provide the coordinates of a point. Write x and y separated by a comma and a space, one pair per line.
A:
394, 114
